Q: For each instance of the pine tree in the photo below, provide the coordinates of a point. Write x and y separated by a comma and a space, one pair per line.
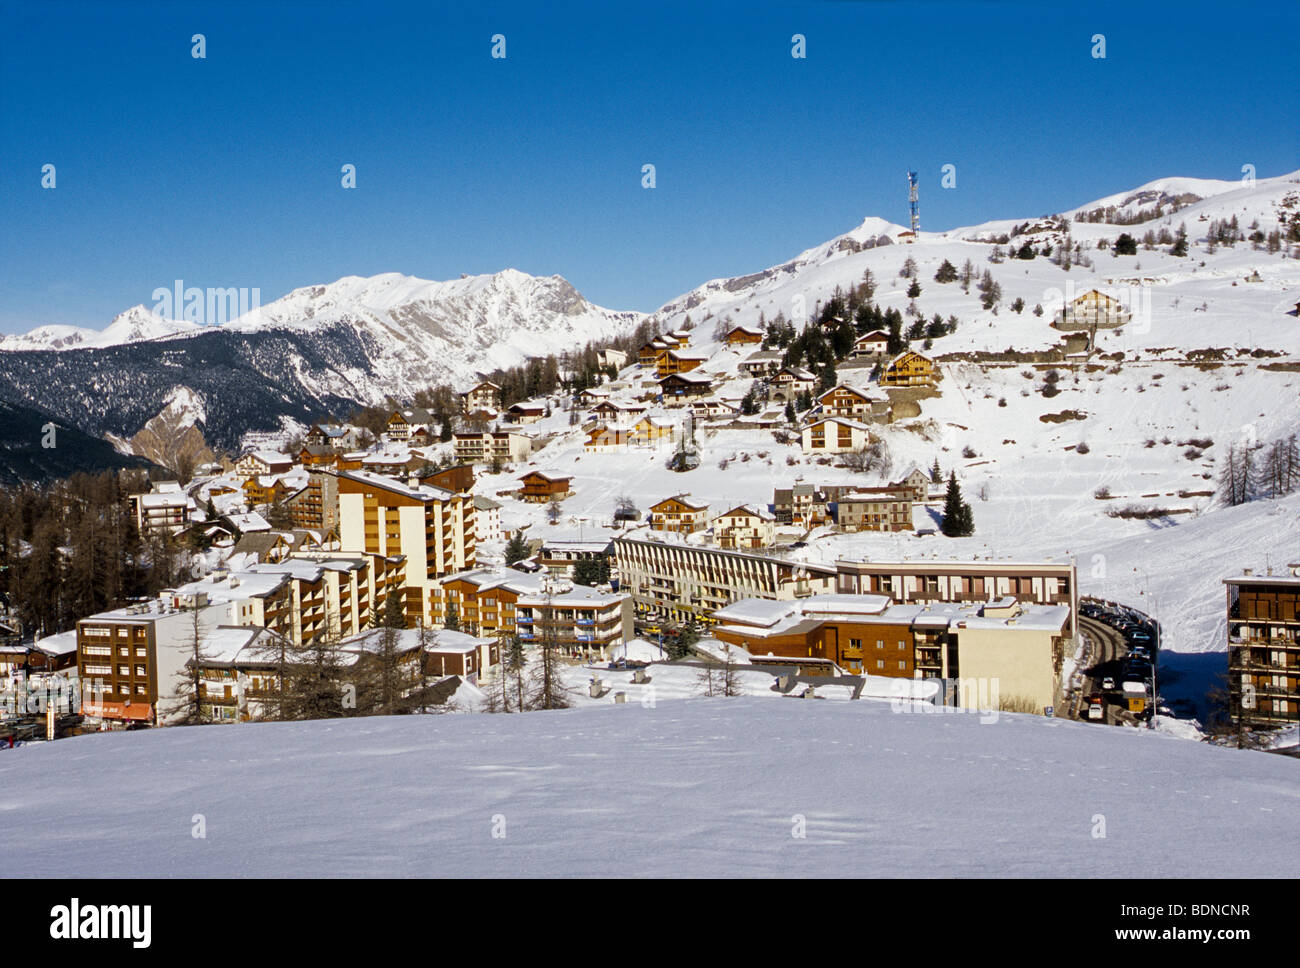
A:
958, 519
515, 662
913, 290
936, 475
947, 272
516, 549
1180, 241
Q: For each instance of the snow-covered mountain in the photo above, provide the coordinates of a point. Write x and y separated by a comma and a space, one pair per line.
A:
317, 349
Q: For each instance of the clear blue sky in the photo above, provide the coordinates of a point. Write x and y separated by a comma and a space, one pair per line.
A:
226, 171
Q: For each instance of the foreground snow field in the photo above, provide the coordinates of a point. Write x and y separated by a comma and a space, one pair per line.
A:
700, 787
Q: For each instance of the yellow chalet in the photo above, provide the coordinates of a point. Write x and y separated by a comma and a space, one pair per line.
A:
680, 513
649, 430
909, 369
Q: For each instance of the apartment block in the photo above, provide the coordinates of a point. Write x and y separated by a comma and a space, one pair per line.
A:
1264, 647
672, 581
1041, 583
432, 529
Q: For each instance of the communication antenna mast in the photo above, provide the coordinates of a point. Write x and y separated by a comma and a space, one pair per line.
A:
912, 203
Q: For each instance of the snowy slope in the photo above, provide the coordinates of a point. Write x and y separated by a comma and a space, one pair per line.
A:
702, 788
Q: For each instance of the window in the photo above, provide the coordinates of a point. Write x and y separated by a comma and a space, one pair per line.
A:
902, 664
140, 671
880, 643
880, 663
123, 670
140, 690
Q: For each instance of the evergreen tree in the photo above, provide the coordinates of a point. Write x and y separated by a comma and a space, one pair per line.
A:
516, 548
947, 272
913, 290
958, 519
591, 571
1180, 241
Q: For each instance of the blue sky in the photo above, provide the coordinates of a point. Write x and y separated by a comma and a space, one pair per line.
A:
225, 171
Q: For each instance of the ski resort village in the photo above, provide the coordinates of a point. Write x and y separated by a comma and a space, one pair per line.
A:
1036, 479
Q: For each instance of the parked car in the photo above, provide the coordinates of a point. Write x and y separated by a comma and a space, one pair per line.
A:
1096, 708
1108, 682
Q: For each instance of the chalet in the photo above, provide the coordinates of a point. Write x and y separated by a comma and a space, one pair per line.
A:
909, 369
678, 361
745, 526
874, 344
651, 430
402, 422
835, 435
398, 463
681, 337
612, 410
593, 395
526, 413
459, 655
763, 363
459, 478
318, 455
713, 409
608, 358
743, 336
333, 436
649, 354
260, 463
485, 396
489, 446
789, 382
266, 489
684, 386
848, 401
680, 514
602, 439
540, 486
264, 547
917, 482
1092, 310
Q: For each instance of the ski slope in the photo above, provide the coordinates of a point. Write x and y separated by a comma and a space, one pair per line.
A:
692, 788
